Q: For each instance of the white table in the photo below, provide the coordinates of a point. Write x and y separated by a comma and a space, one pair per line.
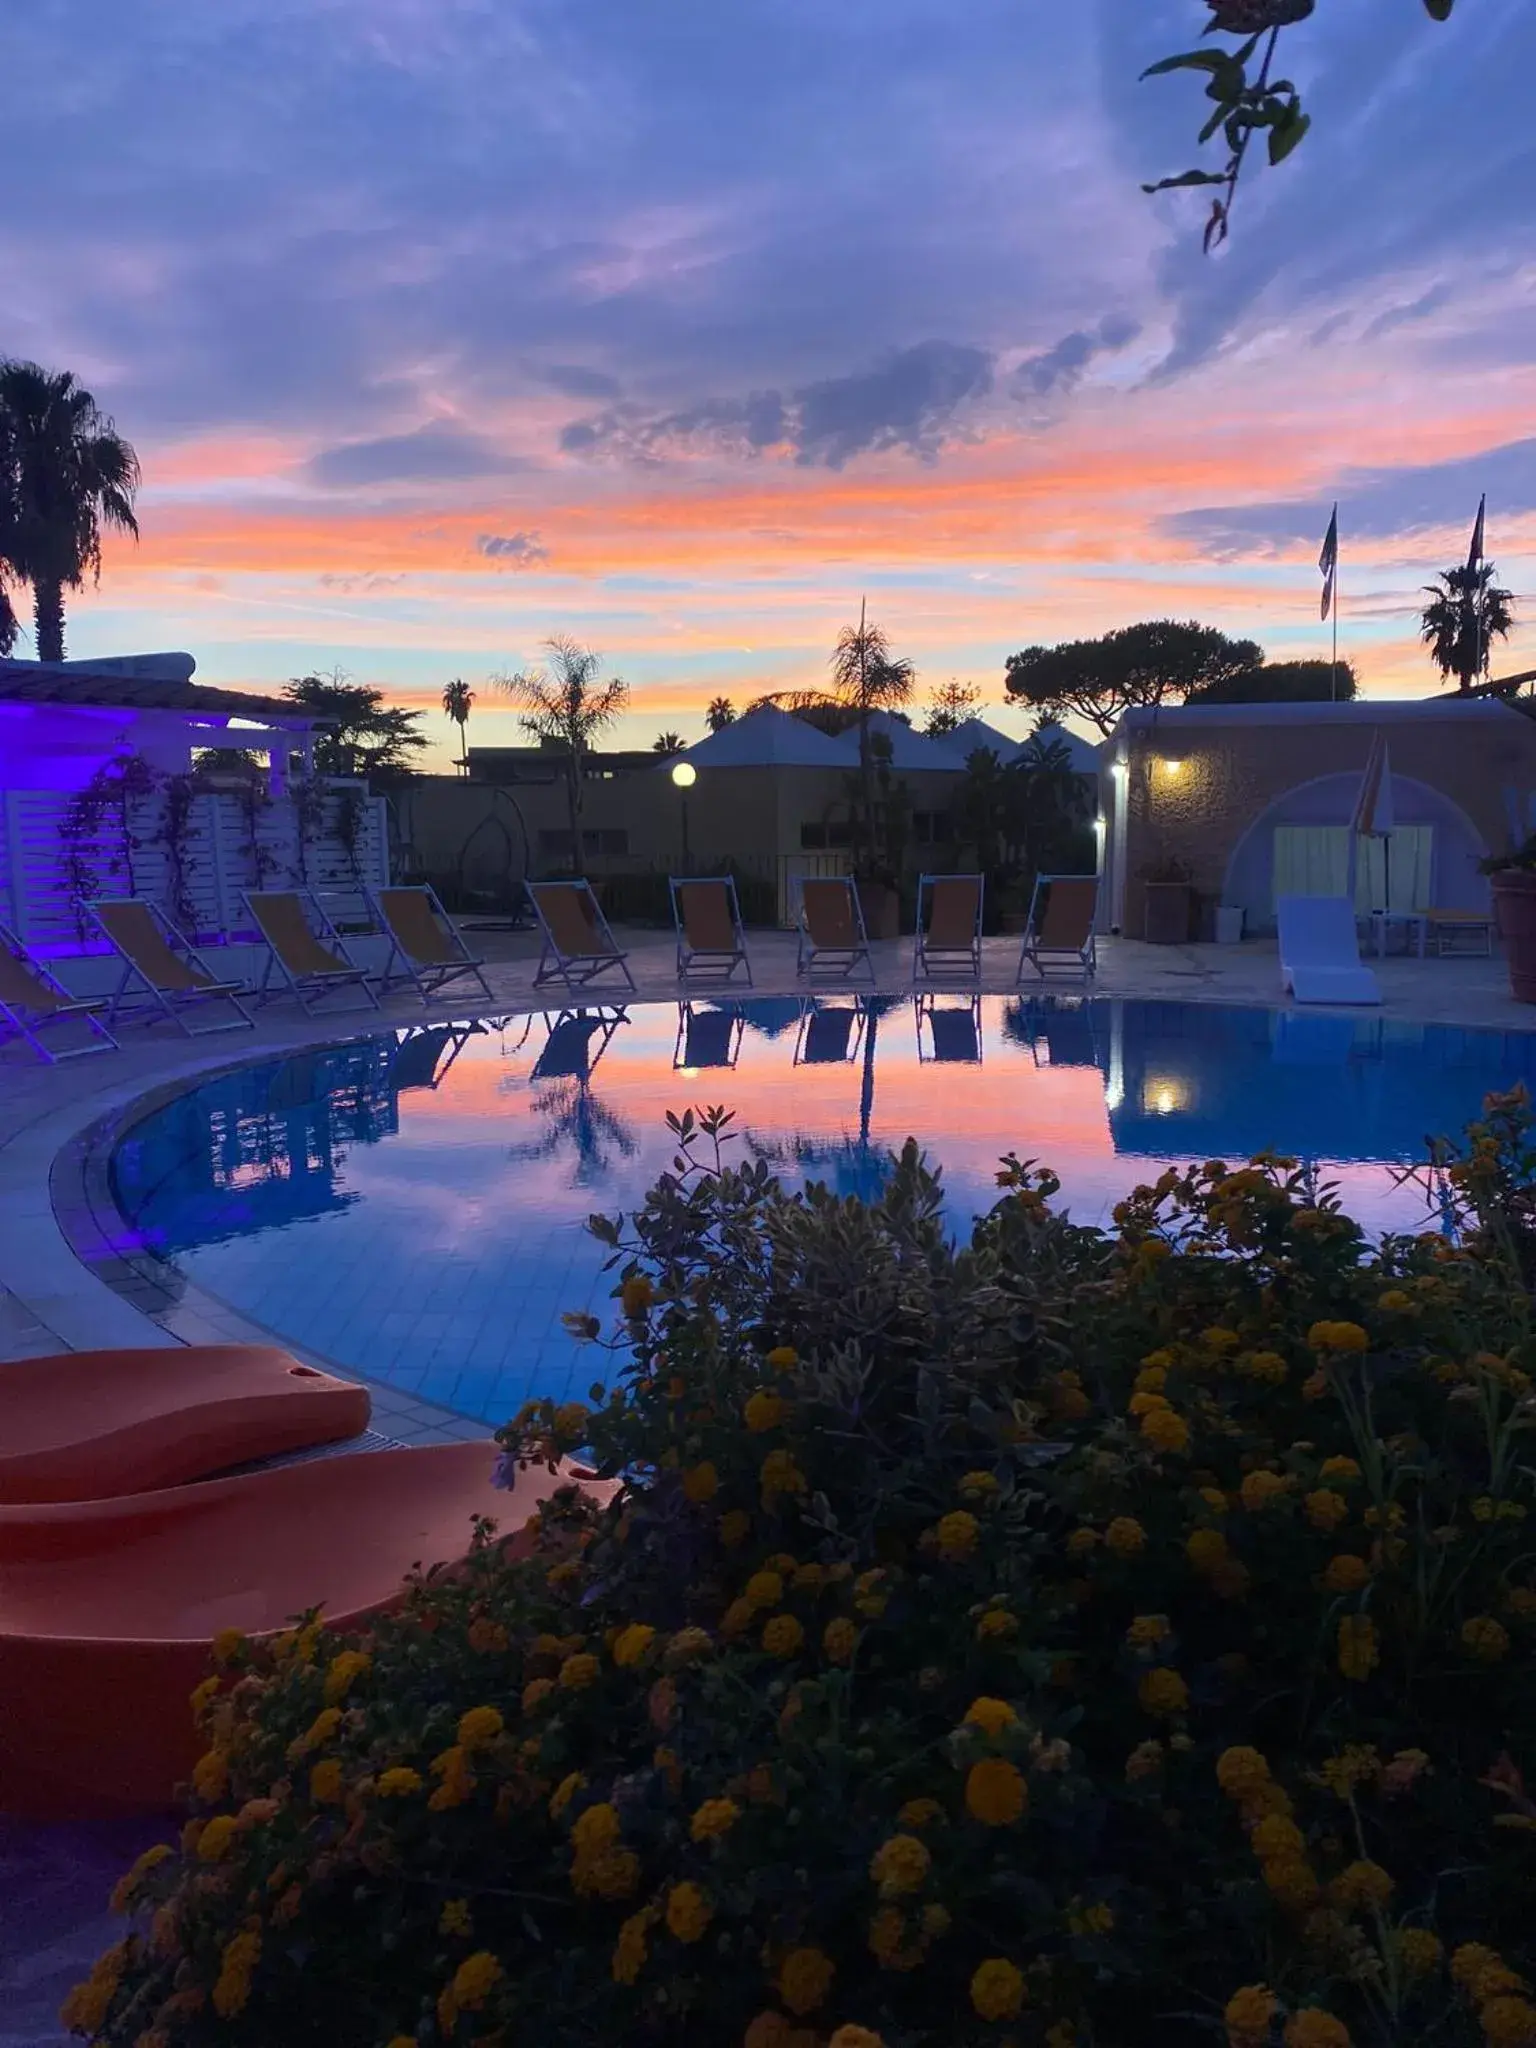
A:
1415, 926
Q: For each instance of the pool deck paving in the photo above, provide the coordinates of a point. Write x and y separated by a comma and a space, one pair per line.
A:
54, 1299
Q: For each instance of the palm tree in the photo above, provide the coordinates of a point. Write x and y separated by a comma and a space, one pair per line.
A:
721, 713
566, 707
1466, 613
65, 476
668, 743
865, 678
458, 701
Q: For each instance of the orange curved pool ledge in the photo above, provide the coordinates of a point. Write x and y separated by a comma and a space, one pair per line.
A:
87, 1424
107, 1607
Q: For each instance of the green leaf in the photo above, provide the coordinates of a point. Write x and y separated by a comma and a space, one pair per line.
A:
1190, 60
1284, 138
1439, 10
1187, 178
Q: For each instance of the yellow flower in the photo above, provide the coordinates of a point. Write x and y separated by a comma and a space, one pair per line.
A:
780, 1474
319, 1731
630, 1950
578, 1672
636, 1295
1220, 1339
920, 1813
764, 1411
1418, 1950
783, 1358
701, 1483
632, 1643
899, 1865
124, 1890
479, 1728
326, 1783
1146, 1402
399, 1782
1395, 1301
1508, 2022
1163, 1693
997, 1990
688, 1644
689, 1912
783, 1636
455, 1919
1358, 1652
1485, 1638
1291, 1883
475, 1979
1275, 1837
486, 1638
564, 1793
764, 1589
1341, 1471
957, 1534
977, 1485
1125, 1536
1362, 1884
856, 2037
735, 1526
1483, 1973
1081, 1541
995, 1792
210, 1776
343, 1672
1148, 1629
1165, 1431
1337, 1337
1262, 1490
738, 1617
535, 1692
609, 1874
1240, 1772
1268, 1367
213, 1843
805, 1978
839, 1640
571, 1420
714, 1818
1325, 1509
233, 1987
596, 1828
227, 1645
991, 1716
1206, 1549
995, 1623
1315, 2028
1144, 1761
1346, 1574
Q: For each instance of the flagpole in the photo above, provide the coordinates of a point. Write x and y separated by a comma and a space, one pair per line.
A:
1334, 683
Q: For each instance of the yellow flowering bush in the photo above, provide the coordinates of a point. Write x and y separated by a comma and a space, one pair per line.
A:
910, 1689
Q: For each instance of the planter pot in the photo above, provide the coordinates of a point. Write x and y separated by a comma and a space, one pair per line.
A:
1166, 913
1013, 924
882, 910
1514, 912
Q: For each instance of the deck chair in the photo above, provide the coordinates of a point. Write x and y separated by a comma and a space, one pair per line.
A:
711, 940
1320, 951
707, 1037
948, 943
424, 939
1059, 936
576, 945
953, 1035
32, 1000
174, 977
832, 939
305, 949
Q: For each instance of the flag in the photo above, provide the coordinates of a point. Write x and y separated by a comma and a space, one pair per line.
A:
1373, 815
1475, 552
1328, 561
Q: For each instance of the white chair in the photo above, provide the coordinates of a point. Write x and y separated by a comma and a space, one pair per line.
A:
1320, 951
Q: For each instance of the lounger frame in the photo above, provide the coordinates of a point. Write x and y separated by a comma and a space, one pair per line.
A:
425, 976
307, 985
708, 966
838, 959
576, 969
173, 1003
946, 959
30, 1022
1044, 950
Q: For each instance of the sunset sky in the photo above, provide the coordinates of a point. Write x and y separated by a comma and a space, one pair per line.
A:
441, 325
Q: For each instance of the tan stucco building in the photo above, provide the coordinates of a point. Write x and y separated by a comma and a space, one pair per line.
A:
1251, 801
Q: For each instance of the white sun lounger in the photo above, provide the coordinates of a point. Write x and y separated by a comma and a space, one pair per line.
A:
1320, 951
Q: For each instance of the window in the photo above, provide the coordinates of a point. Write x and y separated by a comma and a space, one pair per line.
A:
932, 828
1394, 872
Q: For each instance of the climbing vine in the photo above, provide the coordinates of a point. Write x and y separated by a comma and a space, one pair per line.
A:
104, 806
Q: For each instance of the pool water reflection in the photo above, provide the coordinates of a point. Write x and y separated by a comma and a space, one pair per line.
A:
411, 1205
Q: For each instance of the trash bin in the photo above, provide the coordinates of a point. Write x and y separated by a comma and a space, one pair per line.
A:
1229, 924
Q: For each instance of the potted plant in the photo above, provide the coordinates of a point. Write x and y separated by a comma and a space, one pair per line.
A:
1166, 903
1512, 877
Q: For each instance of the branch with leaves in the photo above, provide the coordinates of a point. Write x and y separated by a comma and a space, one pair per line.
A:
1242, 105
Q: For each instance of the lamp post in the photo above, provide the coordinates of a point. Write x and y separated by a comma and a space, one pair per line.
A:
685, 775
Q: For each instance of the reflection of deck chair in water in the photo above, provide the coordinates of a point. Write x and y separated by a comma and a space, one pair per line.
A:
1059, 937
305, 948
948, 942
711, 940
953, 1032
418, 1060
173, 975
707, 1037
829, 1035
424, 940
576, 944
568, 1053
832, 936
32, 1000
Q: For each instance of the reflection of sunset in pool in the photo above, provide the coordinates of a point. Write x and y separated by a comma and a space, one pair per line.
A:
412, 1206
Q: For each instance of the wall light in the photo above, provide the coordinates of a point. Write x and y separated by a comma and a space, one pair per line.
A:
1172, 769
685, 775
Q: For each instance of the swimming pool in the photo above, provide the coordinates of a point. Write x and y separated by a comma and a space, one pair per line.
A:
412, 1205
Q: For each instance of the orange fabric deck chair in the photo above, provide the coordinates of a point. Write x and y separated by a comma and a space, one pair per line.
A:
832, 940
306, 950
425, 941
89, 1424
33, 1001
576, 945
165, 969
108, 1607
1059, 937
711, 939
948, 943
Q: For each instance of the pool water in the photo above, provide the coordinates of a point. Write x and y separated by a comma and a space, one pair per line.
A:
412, 1205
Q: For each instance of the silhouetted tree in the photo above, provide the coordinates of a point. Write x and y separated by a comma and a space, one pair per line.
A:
951, 704
458, 702
362, 735
1281, 682
1156, 662
566, 706
721, 713
668, 743
1466, 613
